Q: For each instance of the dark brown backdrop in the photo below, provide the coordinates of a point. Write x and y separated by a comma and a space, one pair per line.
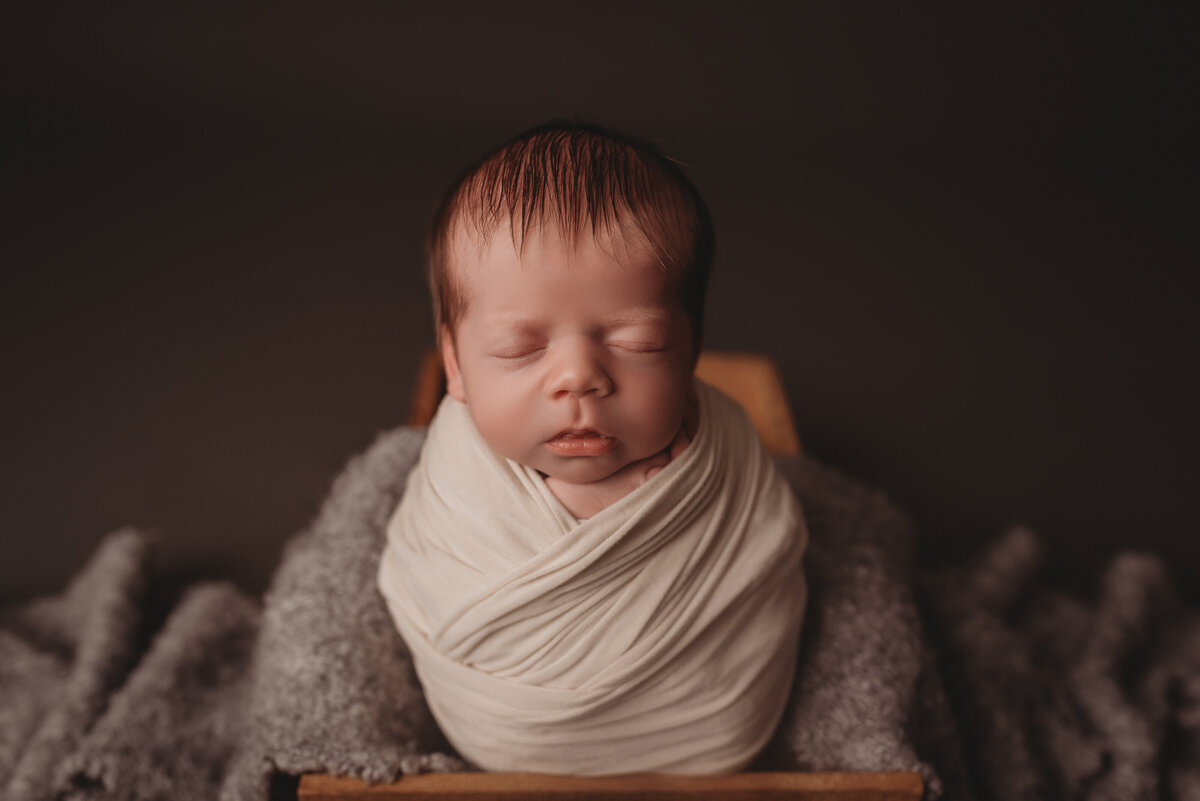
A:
968, 237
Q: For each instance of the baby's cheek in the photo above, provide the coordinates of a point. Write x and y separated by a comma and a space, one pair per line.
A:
500, 425
662, 415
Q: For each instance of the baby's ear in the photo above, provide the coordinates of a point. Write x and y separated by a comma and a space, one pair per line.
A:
454, 382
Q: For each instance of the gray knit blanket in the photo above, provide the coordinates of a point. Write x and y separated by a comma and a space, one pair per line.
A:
989, 682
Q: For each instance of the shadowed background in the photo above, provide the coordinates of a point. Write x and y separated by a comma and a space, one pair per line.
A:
968, 238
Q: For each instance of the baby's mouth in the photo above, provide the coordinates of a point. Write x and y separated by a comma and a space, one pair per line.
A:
580, 442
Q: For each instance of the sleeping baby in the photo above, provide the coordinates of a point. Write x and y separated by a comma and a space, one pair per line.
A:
595, 564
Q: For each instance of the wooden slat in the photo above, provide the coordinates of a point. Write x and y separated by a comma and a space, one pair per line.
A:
751, 379
428, 390
540, 787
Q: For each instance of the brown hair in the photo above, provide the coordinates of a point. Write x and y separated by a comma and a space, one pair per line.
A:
578, 177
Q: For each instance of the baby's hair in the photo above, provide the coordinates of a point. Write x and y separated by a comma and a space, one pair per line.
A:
580, 178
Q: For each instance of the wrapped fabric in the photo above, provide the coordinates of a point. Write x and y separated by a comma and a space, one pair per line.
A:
659, 635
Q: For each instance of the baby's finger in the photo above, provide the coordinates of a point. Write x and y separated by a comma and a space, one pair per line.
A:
653, 465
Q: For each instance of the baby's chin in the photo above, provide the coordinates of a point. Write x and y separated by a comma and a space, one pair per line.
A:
581, 474
583, 470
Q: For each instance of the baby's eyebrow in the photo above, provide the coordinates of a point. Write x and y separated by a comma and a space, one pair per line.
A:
512, 322
647, 315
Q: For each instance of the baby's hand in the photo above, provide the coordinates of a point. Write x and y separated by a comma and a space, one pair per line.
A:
585, 500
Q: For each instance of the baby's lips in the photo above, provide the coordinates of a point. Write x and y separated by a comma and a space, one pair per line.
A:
581, 432
580, 442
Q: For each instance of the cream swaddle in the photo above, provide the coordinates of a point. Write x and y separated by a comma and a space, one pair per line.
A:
659, 635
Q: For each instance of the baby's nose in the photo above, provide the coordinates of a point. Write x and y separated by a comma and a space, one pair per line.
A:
577, 370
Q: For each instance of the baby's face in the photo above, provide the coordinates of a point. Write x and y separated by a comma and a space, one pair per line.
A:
573, 360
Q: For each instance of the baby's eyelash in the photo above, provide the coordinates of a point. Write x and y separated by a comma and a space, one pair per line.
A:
640, 347
513, 354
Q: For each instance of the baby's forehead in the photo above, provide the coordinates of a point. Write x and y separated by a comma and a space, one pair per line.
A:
474, 250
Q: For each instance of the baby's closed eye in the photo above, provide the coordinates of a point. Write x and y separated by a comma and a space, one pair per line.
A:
639, 347
517, 350
639, 340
